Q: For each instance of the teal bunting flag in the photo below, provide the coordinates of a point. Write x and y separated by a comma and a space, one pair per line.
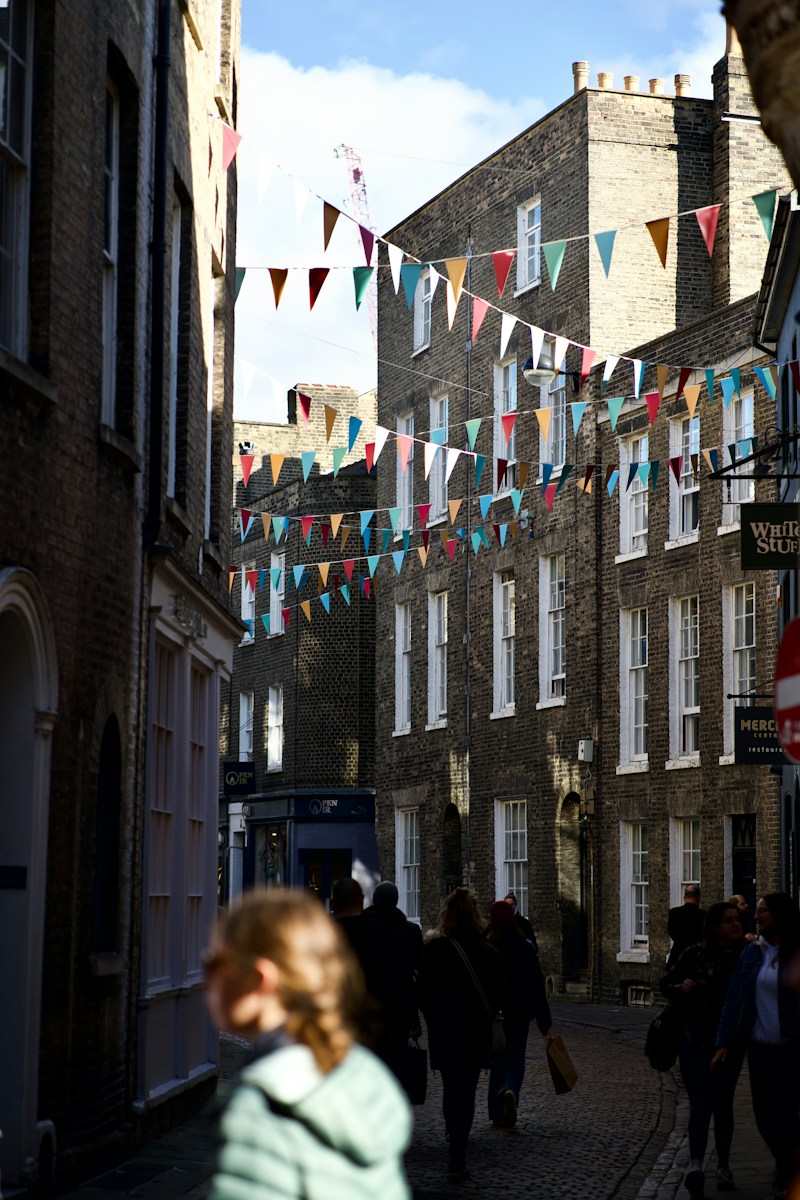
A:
605, 248
367, 537
472, 427
325, 601
710, 383
654, 473
409, 276
338, 458
516, 499
481, 532
245, 528
361, 278
262, 578
366, 516
612, 482
307, 458
765, 204
394, 518
480, 463
265, 619
398, 556
745, 447
372, 562
385, 537
615, 404
476, 542
732, 452
485, 503
275, 578
355, 425
767, 382
406, 538
578, 409
736, 376
299, 577
644, 473
554, 256
727, 386
438, 436
547, 471
345, 590
565, 472
639, 369
240, 274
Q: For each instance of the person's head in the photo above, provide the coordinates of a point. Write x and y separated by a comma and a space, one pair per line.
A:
460, 914
722, 927
501, 919
778, 920
385, 895
511, 899
691, 893
277, 959
347, 898
740, 903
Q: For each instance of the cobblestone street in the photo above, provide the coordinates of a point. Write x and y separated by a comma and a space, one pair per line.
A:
620, 1134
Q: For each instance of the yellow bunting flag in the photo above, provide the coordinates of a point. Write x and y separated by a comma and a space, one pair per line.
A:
231, 577
266, 519
330, 417
662, 370
306, 607
422, 551
330, 216
707, 456
444, 534
543, 416
323, 569
691, 393
336, 520
659, 232
522, 471
276, 462
453, 506
345, 536
278, 275
456, 270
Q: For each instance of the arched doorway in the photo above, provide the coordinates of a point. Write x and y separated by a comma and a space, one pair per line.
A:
28, 697
573, 872
452, 867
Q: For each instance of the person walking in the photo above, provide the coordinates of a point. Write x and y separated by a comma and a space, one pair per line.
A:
685, 922
458, 1012
761, 1007
524, 1000
313, 1113
401, 942
698, 983
523, 922
745, 916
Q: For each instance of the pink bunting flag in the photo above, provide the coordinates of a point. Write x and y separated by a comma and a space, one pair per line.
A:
479, 311
404, 444
307, 524
348, 565
316, 278
707, 220
230, 144
247, 461
508, 421
369, 453
653, 400
423, 510
550, 495
502, 260
305, 406
368, 240
587, 360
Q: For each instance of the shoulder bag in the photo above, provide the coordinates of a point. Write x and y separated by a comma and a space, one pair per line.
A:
498, 1036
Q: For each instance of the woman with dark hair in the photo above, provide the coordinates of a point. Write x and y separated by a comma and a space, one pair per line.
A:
698, 982
761, 1008
459, 989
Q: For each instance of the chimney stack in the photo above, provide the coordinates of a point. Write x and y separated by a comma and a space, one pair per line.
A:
656, 87
683, 85
605, 80
631, 83
580, 76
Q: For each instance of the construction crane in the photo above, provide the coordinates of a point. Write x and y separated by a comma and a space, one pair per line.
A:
358, 194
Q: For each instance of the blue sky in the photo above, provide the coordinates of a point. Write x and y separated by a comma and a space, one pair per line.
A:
421, 91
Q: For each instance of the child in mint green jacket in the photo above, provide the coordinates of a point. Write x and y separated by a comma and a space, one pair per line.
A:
313, 1116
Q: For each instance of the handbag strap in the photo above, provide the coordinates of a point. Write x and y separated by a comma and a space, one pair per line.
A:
457, 946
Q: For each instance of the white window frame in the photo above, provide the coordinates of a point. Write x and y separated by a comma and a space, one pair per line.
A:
685, 861
504, 648
684, 650
437, 483
276, 595
633, 502
511, 850
684, 500
248, 607
163, 798
195, 850
275, 728
552, 630
738, 657
108, 409
553, 448
437, 659
738, 424
407, 861
16, 162
402, 668
505, 401
174, 329
246, 721
529, 244
634, 688
405, 479
423, 303
634, 892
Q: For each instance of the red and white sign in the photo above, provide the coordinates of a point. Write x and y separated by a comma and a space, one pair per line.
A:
787, 690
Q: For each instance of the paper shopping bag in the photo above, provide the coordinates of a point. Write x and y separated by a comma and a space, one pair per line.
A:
558, 1060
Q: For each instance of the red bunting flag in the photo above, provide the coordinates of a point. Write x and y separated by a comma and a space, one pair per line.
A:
368, 240
330, 215
451, 547
369, 453
795, 369
316, 278
587, 360
684, 375
496, 529
247, 461
325, 530
653, 400
252, 580
307, 524
675, 466
348, 565
230, 144
278, 275
423, 511
286, 613
502, 260
479, 311
502, 467
550, 495
305, 406
508, 421
707, 220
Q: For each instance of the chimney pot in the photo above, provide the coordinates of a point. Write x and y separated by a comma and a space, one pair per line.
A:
683, 84
732, 43
605, 80
580, 76
631, 83
656, 87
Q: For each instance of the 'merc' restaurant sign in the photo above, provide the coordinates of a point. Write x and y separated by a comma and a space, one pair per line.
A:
770, 537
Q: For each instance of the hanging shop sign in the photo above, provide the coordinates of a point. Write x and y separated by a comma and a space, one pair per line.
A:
770, 537
239, 778
755, 737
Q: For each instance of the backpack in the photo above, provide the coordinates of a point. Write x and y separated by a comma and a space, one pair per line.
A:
661, 1043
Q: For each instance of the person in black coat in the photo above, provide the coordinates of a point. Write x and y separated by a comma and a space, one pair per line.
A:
401, 942
459, 1022
685, 923
524, 1000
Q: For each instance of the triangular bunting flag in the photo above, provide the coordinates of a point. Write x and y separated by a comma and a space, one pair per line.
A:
307, 459
368, 241
316, 278
352, 433
560, 347
456, 270
479, 311
404, 447
265, 619
252, 580
537, 342
685, 372
508, 421
230, 144
276, 462
481, 532
654, 473
662, 371
587, 359
612, 482
728, 387
711, 458
765, 203
247, 461
675, 466
265, 521
325, 601
452, 305
240, 274
578, 409
453, 456
736, 376
339, 455
502, 467
423, 512
330, 216
451, 548
554, 256
710, 384
323, 569
299, 577
480, 463
372, 563
361, 281
278, 275
507, 324
767, 382
381, 435
644, 473
395, 261
385, 538
369, 452
484, 503
501, 261
330, 419
453, 507
345, 590
308, 524
476, 542
605, 247
659, 232
305, 606
547, 471
633, 471
707, 220
425, 534
543, 416
522, 472
638, 375
472, 428
365, 517
690, 395
565, 471
653, 401
550, 495
615, 404
429, 451
336, 520
394, 517
422, 551
325, 530
516, 499
275, 578
409, 277
305, 407
608, 368
398, 556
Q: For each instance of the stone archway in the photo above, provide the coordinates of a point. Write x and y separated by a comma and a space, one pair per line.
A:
573, 887
28, 701
452, 866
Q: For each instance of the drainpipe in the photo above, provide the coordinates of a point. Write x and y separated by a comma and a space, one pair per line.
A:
468, 590
158, 257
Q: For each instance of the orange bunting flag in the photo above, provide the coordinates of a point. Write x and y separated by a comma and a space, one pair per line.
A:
661, 376
336, 520
266, 521
330, 216
512, 529
691, 394
316, 278
404, 444
456, 270
453, 506
479, 311
345, 536
422, 551
330, 418
543, 416
522, 470
501, 261
231, 577
323, 569
247, 461
306, 607
276, 462
278, 275
659, 232
707, 456
585, 484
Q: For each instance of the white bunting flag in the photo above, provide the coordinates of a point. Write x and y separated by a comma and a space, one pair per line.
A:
381, 435
429, 452
506, 329
264, 175
537, 341
452, 459
610, 364
395, 262
301, 195
560, 352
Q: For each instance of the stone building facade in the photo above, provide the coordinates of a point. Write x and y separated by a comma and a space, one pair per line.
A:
301, 700
115, 438
499, 672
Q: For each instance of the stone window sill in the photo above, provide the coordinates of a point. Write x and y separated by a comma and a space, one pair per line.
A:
688, 539
420, 349
178, 515
25, 380
534, 283
727, 760
436, 725
630, 556
637, 767
634, 956
401, 732
505, 712
556, 702
211, 552
118, 447
681, 764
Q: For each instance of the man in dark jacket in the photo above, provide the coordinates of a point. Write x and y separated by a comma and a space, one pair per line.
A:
685, 923
401, 941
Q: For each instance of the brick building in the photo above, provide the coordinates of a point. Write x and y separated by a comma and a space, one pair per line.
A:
499, 691
116, 295
301, 701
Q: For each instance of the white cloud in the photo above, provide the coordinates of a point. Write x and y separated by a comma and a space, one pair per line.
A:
409, 130
694, 53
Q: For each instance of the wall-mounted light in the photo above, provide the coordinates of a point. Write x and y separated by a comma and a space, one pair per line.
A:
543, 372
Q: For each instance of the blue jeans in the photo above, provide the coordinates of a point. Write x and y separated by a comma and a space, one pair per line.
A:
508, 1067
710, 1093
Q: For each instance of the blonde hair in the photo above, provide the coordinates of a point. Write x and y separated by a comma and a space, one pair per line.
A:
318, 977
